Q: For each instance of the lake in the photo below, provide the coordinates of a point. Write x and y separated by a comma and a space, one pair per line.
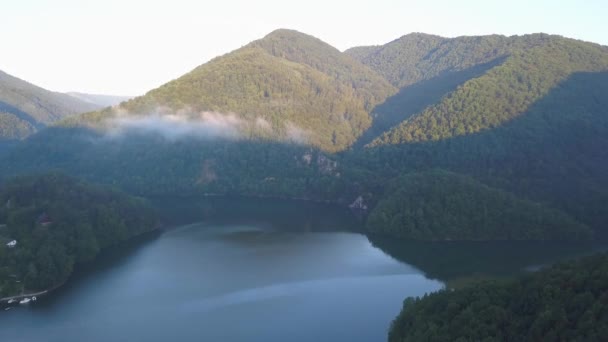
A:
259, 270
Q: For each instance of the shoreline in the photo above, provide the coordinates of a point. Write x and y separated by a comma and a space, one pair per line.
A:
248, 196
164, 227
4, 300
25, 295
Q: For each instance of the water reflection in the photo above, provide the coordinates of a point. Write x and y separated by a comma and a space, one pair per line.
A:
279, 214
453, 261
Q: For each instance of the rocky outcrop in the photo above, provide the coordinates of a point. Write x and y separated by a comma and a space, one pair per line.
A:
358, 204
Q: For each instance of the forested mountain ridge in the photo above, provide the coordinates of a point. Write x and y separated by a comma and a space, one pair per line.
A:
283, 83
555, 154
473, 83
399, 61
501, 94
417, 57
534, 124
25, 108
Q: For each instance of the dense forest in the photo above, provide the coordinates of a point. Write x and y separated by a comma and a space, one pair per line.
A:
184, 166
502, 93
555, 153
285, 87
566, 302
58, 222
439, 205
515, 122
26, 108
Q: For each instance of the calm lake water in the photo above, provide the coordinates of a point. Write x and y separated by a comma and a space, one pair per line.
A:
253, 270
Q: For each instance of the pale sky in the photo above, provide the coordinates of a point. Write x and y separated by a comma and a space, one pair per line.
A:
127, 47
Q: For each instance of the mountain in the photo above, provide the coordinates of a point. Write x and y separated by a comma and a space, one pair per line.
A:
25, 108
562, 303
401, 62
287, 86
100, 100
469, 84
506, 129
521, 114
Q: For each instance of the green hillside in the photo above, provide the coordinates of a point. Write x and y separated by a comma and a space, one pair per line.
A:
563, 303
458, 86
25, 108
284, 83
402, 61
555, 153
530, 119
523, 119
59, 222
417, 56
501, 94
439, 205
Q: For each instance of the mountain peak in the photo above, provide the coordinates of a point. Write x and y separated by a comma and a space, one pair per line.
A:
286, 79
419, 36
280, 41
284, 32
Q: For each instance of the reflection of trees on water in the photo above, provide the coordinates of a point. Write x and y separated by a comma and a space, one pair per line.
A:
448, 261
281, 214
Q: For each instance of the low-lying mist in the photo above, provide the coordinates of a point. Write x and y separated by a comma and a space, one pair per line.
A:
205, 125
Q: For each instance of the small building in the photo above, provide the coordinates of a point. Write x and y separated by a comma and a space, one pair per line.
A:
12, 244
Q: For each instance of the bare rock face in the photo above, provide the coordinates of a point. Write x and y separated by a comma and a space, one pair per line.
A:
358, 204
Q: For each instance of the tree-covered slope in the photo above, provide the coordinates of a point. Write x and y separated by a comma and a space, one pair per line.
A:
415, 98
564, 303
284, 83
59, 222
439, 205
556, 153
402, 61
417, 57
151, 165
546, 145
523, 70
25, 108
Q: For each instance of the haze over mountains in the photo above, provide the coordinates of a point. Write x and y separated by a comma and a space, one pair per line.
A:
517, 122
100, 100
26, 108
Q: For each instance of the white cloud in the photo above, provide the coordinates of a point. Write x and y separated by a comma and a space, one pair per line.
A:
207, 125
187, 124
